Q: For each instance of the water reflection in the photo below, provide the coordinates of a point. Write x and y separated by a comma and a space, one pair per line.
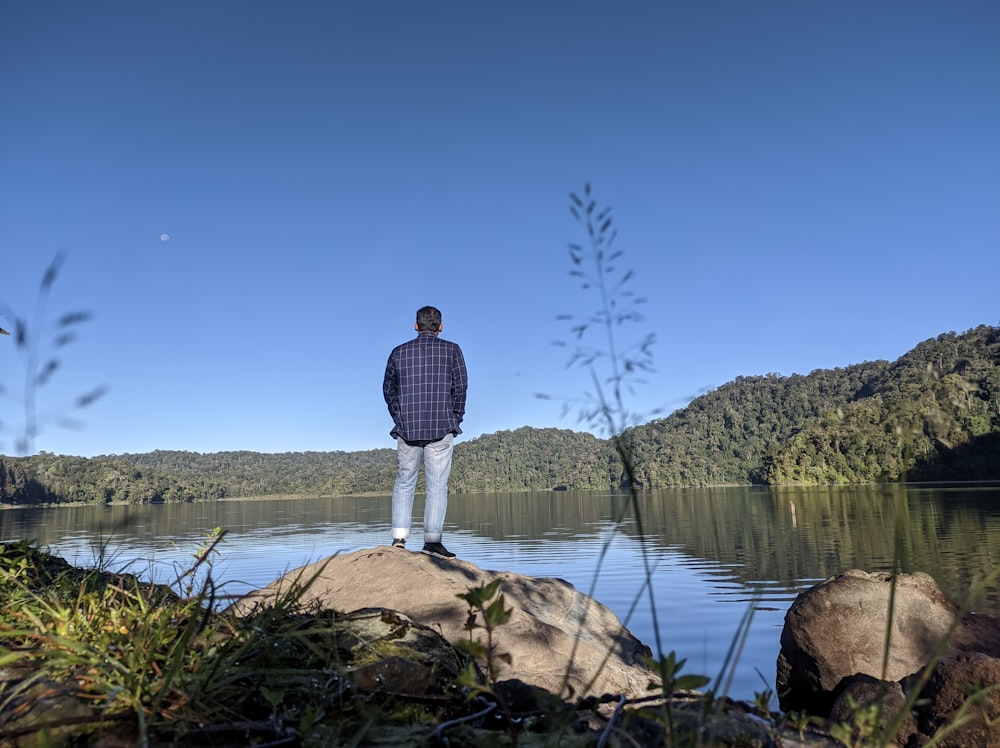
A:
715, 554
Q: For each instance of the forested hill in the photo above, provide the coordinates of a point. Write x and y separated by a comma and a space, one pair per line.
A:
934, 414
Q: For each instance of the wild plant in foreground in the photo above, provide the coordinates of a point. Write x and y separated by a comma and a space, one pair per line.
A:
124, 644
130, 647
487, 605
488, 611
140, 655
41, 358
777, 721
615, 368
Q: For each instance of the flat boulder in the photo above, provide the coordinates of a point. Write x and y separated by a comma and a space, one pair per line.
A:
558, 638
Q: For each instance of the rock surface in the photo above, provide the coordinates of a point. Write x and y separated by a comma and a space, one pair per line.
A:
953, 681
834, 643
838, 628
559, 639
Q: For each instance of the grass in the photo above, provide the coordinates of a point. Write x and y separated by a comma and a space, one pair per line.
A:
150, 663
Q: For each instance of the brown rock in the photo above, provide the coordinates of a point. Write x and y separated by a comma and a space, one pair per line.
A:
833, 645
559, 639
978, 632
838, 628
955, 679
857, 692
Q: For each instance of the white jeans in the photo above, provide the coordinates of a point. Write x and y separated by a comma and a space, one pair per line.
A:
436, 460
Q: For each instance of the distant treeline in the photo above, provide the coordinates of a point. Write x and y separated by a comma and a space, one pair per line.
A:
932, 415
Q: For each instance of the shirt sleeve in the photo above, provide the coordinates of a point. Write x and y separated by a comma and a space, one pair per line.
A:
390, 389
459, 384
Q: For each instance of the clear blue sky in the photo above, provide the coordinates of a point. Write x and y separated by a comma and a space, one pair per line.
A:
255, 197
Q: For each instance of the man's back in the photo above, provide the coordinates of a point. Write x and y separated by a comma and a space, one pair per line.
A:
425, 388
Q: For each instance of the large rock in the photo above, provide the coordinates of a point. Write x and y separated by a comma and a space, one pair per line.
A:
559, 639
833, 647
838, 629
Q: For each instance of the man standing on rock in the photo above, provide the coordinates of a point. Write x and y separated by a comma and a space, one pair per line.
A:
424, 386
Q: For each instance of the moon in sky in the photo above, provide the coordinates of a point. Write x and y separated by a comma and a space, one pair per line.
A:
164, 237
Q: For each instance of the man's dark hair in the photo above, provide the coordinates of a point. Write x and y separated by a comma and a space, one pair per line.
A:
428, 319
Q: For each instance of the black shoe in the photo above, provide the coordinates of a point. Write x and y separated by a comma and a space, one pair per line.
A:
436, 549
398, 543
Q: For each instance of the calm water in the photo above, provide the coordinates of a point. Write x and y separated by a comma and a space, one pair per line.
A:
716, 555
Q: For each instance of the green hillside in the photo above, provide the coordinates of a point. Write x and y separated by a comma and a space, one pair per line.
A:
932, 415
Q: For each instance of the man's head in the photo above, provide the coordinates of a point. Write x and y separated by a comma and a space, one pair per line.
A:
428, 319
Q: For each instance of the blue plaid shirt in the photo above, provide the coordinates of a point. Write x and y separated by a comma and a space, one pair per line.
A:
424, 387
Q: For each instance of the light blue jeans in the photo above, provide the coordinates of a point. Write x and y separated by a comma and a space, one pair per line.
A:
436, 460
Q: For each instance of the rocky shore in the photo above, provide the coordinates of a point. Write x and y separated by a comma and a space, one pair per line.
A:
389, 647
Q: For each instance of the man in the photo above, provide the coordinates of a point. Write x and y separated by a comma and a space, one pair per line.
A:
424, 387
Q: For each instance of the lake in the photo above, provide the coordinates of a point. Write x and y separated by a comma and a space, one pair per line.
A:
716, 555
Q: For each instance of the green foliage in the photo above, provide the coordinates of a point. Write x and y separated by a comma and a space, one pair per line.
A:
51, 479
188, 476
157, 668
934, 414
245, 473
668, 668
128, 647
532, 460
867, 728
799, 721
487, 612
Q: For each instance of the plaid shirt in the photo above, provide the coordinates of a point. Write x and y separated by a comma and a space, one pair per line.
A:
424, 387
